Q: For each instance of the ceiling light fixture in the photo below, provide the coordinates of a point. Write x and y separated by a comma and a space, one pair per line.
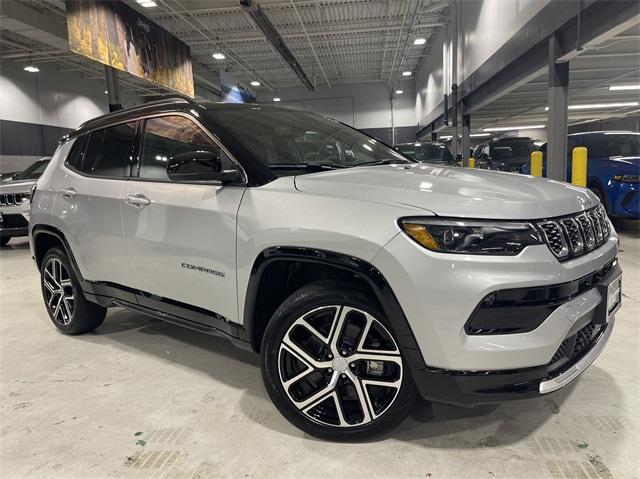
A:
510, 128
599, 106
624, 87
445, 137
147, 3
218, 56
420, 41
399, 92
31, 68
255, 83
406, 74
106, 92
479, 135
276, 98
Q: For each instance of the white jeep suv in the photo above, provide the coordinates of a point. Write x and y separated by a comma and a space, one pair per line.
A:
360, 276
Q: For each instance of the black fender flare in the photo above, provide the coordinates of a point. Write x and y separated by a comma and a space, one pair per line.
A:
364, 270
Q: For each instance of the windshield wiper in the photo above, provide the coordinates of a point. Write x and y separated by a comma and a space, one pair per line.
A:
306, 166
386, 161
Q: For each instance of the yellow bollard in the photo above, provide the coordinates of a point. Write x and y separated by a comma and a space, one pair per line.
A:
472, 162
536, 163
579, 166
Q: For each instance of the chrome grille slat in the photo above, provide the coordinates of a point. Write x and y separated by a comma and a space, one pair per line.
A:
597, 227
12, 199
574, 237
577, 234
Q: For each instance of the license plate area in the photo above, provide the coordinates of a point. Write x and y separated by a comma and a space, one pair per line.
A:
614, 297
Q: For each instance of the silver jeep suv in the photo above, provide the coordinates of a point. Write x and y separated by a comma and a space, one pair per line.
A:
360, 276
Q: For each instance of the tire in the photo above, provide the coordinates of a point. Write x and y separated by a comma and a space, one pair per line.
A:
66, 304
329, 400
4, 240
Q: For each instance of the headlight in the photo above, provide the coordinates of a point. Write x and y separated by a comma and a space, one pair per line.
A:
472, 236
627, 178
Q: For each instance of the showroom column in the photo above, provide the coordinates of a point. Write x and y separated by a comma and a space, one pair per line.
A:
466, 139
113, 88
558, 113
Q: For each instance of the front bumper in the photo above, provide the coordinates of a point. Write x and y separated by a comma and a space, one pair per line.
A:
13, 222
439, 292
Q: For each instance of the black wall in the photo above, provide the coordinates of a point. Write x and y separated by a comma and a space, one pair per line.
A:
29, 139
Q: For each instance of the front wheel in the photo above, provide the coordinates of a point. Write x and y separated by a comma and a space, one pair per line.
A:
332, 366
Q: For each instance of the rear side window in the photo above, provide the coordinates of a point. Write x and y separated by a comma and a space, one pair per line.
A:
107, 152
170, 135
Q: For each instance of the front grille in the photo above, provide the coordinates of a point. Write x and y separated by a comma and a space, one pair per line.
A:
12, 199
577, 234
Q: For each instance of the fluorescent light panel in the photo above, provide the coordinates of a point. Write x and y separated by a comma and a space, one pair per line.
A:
399, 92
255, 83
31, 69
420, 41
406, 74
624, 87
599, 106
276, 98
218, 56
510, 128
479, 135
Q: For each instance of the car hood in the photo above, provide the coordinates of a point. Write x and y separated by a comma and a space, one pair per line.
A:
626, 160
452, 191
22, 186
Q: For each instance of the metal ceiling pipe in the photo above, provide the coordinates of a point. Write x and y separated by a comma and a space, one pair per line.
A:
264, 24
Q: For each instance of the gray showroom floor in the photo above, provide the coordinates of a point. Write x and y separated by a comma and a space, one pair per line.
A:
140, 398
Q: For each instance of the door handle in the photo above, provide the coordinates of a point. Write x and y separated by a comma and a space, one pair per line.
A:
137, 201
68, 192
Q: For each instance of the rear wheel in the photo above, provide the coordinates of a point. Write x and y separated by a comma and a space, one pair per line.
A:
66, 304
332, 366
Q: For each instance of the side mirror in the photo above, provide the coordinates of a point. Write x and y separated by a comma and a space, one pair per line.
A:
198, 166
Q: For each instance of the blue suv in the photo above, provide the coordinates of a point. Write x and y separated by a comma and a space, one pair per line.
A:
613, 170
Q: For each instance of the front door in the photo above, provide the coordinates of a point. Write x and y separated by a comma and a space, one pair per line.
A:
181, 237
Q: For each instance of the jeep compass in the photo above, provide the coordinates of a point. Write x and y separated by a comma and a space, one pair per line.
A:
361, 277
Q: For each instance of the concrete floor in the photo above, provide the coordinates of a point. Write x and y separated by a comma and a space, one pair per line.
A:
140, 398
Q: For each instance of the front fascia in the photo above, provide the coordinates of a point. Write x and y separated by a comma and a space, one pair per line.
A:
438, 292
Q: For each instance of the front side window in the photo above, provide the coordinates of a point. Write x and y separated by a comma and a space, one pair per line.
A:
167, 136
612, 144
107, 153
290, 142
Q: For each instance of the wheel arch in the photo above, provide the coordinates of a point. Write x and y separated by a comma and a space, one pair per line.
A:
45, 237
318, 264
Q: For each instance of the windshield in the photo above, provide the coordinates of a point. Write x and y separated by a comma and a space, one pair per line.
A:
516, 150
291, 142
427, 152
612, 144
34, 171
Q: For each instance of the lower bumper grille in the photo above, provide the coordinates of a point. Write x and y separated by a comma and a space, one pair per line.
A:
13, 221
573, 346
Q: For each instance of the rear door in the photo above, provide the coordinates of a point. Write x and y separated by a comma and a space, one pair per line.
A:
181, 237
88, 202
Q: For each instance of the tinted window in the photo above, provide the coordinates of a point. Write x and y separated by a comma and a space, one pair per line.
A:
76, 155
427, 152
34, 171
107, 152
167, 136
612, 144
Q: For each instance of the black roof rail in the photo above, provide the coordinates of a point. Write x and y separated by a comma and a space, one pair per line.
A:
114, 115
